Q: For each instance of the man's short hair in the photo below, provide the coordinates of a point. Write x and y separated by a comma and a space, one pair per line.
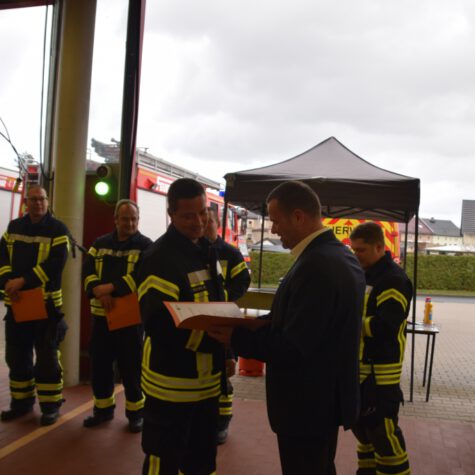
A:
36, 187
123, 202
370, 233
293, 195
183, 189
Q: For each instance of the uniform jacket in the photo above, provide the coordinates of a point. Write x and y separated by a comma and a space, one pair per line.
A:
311, 344
178, 365
112, 261
37, 252
234, 269
388, 298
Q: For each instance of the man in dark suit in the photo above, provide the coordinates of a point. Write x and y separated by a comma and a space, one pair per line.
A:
311, 344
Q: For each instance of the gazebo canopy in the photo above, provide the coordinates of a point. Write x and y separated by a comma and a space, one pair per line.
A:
348, 185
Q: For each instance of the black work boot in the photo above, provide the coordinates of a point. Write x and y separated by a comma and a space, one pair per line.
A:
223, 429
98, 418
50, 417
135, 424
14, 413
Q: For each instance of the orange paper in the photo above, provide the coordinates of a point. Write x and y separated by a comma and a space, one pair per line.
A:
125, 312
30, 306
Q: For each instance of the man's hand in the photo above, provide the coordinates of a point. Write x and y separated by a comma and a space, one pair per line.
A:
103, 290
230, 367
107, 301
222, 334
13, 286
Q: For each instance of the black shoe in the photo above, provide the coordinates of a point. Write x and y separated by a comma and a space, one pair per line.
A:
97, 419
221, 436
135, 424
11, 414
49, 418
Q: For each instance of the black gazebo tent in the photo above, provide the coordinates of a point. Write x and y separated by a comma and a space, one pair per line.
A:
348, 186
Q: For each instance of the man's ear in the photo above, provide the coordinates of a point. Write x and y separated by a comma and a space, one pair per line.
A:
298, 215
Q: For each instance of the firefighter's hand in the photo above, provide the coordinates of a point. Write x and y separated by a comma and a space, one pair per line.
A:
103, 290
107, 302
230, 367
13, 286
222, 334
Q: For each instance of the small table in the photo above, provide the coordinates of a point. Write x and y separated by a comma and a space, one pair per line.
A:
431, 331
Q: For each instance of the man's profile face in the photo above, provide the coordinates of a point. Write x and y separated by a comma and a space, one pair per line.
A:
211, 231
367, 254
190, 217
126, 221
37, 203
283, 224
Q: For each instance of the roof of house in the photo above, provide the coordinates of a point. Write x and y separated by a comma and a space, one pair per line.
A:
433, 227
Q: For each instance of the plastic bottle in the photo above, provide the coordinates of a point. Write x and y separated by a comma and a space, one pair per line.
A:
428, 311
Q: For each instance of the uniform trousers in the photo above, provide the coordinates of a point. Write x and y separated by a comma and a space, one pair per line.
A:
124, 346
308, 455
32, 356
180, 437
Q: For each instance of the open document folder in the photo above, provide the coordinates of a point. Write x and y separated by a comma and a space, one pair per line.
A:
29, 306
202, 315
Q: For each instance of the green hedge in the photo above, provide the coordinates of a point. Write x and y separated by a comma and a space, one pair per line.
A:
434, 272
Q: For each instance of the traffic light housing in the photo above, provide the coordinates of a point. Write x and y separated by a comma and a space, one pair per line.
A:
106, 185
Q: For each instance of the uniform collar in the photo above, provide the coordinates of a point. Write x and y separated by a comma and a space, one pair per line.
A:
379, 266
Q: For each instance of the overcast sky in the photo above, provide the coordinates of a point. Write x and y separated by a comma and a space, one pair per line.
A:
230, 85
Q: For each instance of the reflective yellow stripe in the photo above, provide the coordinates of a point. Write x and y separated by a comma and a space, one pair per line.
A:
367, 326
401, 337
153, 465
60, 240
29, 239
131, 261
49, 386
366, 463
40, 273
53, 398
130, 282
238, 269
135, 406
391, 294
89, 279
204, 364
172, 382
392, 460
21, 384
223, 399
26, 395
92, 251
179, 396
104, 403
162, 285
393, 440
365, 448
194, 340
5, 269
224, 267
385, 374
110, 252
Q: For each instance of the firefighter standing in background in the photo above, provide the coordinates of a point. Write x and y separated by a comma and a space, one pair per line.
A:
109, 272
236, 282
381, 447
182, 369
33, 252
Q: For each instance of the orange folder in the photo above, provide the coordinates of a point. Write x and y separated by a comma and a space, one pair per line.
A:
30, 306
125, 312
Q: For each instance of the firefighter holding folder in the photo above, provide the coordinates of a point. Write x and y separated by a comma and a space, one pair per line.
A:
109, 282
33, 252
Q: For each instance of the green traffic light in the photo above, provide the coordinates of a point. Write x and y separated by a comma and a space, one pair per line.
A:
102, 188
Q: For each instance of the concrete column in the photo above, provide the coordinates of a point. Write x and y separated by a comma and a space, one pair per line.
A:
76, 40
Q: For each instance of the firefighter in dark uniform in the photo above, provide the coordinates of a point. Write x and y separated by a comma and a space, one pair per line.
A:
236, 282
109, 271
381, 447
33, 252
181, 369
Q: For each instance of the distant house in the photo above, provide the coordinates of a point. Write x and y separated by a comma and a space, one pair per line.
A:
432, 233
270, 245
468, 222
